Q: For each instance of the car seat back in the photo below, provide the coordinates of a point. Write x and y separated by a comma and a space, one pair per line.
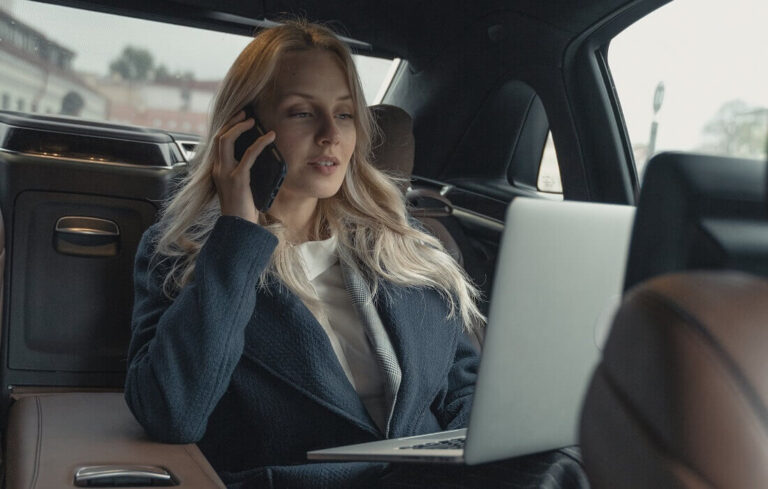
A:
77, 197
680, 398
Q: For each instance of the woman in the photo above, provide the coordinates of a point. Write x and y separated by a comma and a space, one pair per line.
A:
329, 320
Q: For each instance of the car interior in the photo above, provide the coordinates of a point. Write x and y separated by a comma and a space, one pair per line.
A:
464, 121
678, 386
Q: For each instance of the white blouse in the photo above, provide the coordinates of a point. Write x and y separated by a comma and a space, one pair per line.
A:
338, 317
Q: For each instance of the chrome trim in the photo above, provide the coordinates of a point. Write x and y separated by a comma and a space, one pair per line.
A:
93, 474
110, 228
478, 219
188, 155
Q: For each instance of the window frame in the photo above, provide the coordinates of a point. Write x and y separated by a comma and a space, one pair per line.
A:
602, 140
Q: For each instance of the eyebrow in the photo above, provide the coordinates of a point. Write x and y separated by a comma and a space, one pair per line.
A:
311, 97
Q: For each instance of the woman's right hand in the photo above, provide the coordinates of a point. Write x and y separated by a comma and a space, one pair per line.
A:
233, 178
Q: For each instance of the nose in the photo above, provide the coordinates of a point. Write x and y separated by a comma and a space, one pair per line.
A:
327, 131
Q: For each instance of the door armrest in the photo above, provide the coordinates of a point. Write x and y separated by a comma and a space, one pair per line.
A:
50, 437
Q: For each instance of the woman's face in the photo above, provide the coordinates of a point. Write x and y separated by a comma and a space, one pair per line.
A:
312, 113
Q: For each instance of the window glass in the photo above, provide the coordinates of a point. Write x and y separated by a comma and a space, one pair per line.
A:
549, 171
128, 70
692, 76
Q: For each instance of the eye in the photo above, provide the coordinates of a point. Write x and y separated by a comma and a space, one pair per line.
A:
345, 116
301, 115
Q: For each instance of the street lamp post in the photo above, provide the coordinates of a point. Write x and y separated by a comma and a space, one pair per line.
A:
658, 99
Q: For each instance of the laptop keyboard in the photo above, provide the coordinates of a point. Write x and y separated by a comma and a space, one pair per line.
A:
452, 444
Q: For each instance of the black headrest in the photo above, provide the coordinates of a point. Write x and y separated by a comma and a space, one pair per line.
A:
699, 212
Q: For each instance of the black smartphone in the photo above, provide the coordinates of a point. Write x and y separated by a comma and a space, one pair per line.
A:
268, 171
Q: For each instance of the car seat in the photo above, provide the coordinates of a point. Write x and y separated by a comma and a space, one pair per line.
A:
394, 154
680, 398
71, 228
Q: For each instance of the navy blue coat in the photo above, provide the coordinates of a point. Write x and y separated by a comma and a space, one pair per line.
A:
250, 375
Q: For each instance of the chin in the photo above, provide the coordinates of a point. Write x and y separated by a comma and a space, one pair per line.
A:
327, 193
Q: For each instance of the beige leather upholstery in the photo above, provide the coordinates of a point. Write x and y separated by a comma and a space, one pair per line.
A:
680, 399
50, 436
393, 152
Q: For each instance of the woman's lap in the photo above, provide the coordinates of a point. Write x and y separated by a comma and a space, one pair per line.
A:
557, 469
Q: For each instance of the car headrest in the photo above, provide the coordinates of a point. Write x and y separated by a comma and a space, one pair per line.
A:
699, 212
680, 398
394, 151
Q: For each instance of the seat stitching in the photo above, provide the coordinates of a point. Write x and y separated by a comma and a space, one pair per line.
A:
728, 361
38, 445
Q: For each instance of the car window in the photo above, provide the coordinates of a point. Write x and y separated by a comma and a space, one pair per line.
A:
549, 170
53, 61
692, 76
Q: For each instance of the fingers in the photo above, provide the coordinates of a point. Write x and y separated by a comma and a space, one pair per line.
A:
219, 143
226, 140
254, 150
232, 177
239, 117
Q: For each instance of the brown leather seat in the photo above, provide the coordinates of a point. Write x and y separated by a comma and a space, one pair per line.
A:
680, 399
394, 154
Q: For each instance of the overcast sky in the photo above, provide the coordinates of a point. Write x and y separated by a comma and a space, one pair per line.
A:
207, 53
705, 51
98, 38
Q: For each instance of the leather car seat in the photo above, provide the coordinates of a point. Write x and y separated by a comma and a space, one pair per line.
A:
680, 398
393, 152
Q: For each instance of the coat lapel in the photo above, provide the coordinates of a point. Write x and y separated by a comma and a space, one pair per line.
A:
425, 343
381, 346
285, 339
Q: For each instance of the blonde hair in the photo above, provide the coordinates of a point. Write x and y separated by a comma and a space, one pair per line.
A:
368, 214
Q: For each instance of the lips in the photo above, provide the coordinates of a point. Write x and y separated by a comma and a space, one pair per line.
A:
324, 165
324, 162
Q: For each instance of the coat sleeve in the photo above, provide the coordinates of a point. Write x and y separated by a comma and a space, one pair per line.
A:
183, 352
453, 405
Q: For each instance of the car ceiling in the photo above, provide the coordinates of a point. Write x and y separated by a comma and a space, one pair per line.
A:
410, 29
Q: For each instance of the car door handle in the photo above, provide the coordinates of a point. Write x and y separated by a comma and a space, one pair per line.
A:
86, 236
123, 476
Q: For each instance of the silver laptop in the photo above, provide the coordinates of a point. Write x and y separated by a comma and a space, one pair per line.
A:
558, 281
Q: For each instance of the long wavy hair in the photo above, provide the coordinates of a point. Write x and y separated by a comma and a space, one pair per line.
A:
367, 215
